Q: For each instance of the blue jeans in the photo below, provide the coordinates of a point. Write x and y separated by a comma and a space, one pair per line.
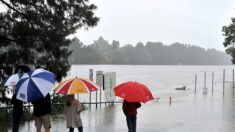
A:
80, 129
131, 123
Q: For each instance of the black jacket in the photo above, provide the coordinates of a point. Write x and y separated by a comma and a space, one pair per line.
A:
42, 106
17, 104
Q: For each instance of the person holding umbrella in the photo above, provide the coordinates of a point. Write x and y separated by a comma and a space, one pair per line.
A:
133, 93
17, 111
73, 108
42, 111
130, 111
34, 87
72, 111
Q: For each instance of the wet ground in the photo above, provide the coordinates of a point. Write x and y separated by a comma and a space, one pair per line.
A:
188, 112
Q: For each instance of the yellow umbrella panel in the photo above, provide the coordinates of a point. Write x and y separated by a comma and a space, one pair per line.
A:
75, 86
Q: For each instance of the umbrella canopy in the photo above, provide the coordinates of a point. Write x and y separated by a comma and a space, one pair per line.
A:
34, 85
75, 86
133, 92
12, 80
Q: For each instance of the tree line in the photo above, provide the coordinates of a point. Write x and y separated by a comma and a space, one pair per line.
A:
151, 53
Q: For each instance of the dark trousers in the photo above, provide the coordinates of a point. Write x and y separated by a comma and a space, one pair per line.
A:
17, 113
131, 123
80, 129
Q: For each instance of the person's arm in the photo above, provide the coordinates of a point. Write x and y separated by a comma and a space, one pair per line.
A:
138, 105
49, 102
13, 99
124, 107
79, 107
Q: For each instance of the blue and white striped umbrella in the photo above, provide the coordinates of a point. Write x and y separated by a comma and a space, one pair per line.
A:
34, 85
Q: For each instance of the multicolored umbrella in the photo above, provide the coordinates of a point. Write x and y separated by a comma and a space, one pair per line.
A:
133, 92
76, 86
34, 85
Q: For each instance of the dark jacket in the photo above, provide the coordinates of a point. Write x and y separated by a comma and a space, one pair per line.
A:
42, 106
130, 108
17, 104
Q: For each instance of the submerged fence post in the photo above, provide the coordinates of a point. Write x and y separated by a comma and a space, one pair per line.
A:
212, 82
91, 78
223, 80
170, 100
195, 83
205, 80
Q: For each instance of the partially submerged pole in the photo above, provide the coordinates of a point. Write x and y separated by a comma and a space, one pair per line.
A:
233, 78
195, 83
233, 82
223, 80
205, 88
91, 78
205, 80
99, 81
212, 82
170, 100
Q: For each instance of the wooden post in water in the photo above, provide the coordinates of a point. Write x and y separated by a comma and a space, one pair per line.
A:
170, 100
91, 78
212, 82
195, 83
223, 80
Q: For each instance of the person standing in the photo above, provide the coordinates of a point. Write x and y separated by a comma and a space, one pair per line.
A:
130, 111
72, 111
16, 113
42, 111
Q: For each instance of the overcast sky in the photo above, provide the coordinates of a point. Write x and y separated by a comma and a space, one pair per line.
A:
196, 22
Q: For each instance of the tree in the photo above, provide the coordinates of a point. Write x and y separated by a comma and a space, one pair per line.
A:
115, 44
156, 52
75, 46
229, 41
35, 32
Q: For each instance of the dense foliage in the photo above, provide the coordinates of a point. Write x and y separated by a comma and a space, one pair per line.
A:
229, 41
35, 32
152, 53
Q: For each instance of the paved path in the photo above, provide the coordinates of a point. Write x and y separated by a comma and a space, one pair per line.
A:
192, 113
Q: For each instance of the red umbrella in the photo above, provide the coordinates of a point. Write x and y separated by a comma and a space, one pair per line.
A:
133, 92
